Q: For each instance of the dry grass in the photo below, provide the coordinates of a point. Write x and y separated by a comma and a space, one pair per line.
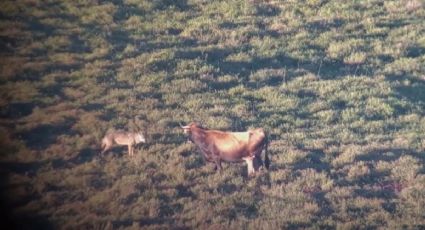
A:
338, 85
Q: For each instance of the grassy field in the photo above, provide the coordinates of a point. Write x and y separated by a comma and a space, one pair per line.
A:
338, 85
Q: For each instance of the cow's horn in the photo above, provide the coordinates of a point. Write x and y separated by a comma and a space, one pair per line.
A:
183, 127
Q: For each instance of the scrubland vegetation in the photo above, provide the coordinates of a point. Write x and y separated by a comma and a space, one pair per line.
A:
338, 85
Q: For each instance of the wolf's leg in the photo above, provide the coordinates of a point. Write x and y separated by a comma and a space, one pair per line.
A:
106, 147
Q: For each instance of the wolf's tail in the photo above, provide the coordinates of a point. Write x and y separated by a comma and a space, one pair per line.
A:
102, 146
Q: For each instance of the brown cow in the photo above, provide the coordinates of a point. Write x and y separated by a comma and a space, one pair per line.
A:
217, 146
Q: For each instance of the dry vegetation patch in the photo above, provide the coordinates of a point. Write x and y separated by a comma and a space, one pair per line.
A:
338, 86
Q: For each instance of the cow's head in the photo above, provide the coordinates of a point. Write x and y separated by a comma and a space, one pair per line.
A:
256, 135
188, 128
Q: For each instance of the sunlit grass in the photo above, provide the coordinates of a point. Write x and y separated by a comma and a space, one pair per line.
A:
338, 86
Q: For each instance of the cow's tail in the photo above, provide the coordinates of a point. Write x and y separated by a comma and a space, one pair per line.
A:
266, 155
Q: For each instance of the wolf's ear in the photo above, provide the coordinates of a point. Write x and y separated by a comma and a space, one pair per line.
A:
110, 130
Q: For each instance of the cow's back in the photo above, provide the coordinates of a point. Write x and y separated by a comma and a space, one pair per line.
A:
231, 146
257, 138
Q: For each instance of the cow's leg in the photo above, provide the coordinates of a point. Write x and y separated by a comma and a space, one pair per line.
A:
217, 162
250, 163
215, 155
130, 149
218, 165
